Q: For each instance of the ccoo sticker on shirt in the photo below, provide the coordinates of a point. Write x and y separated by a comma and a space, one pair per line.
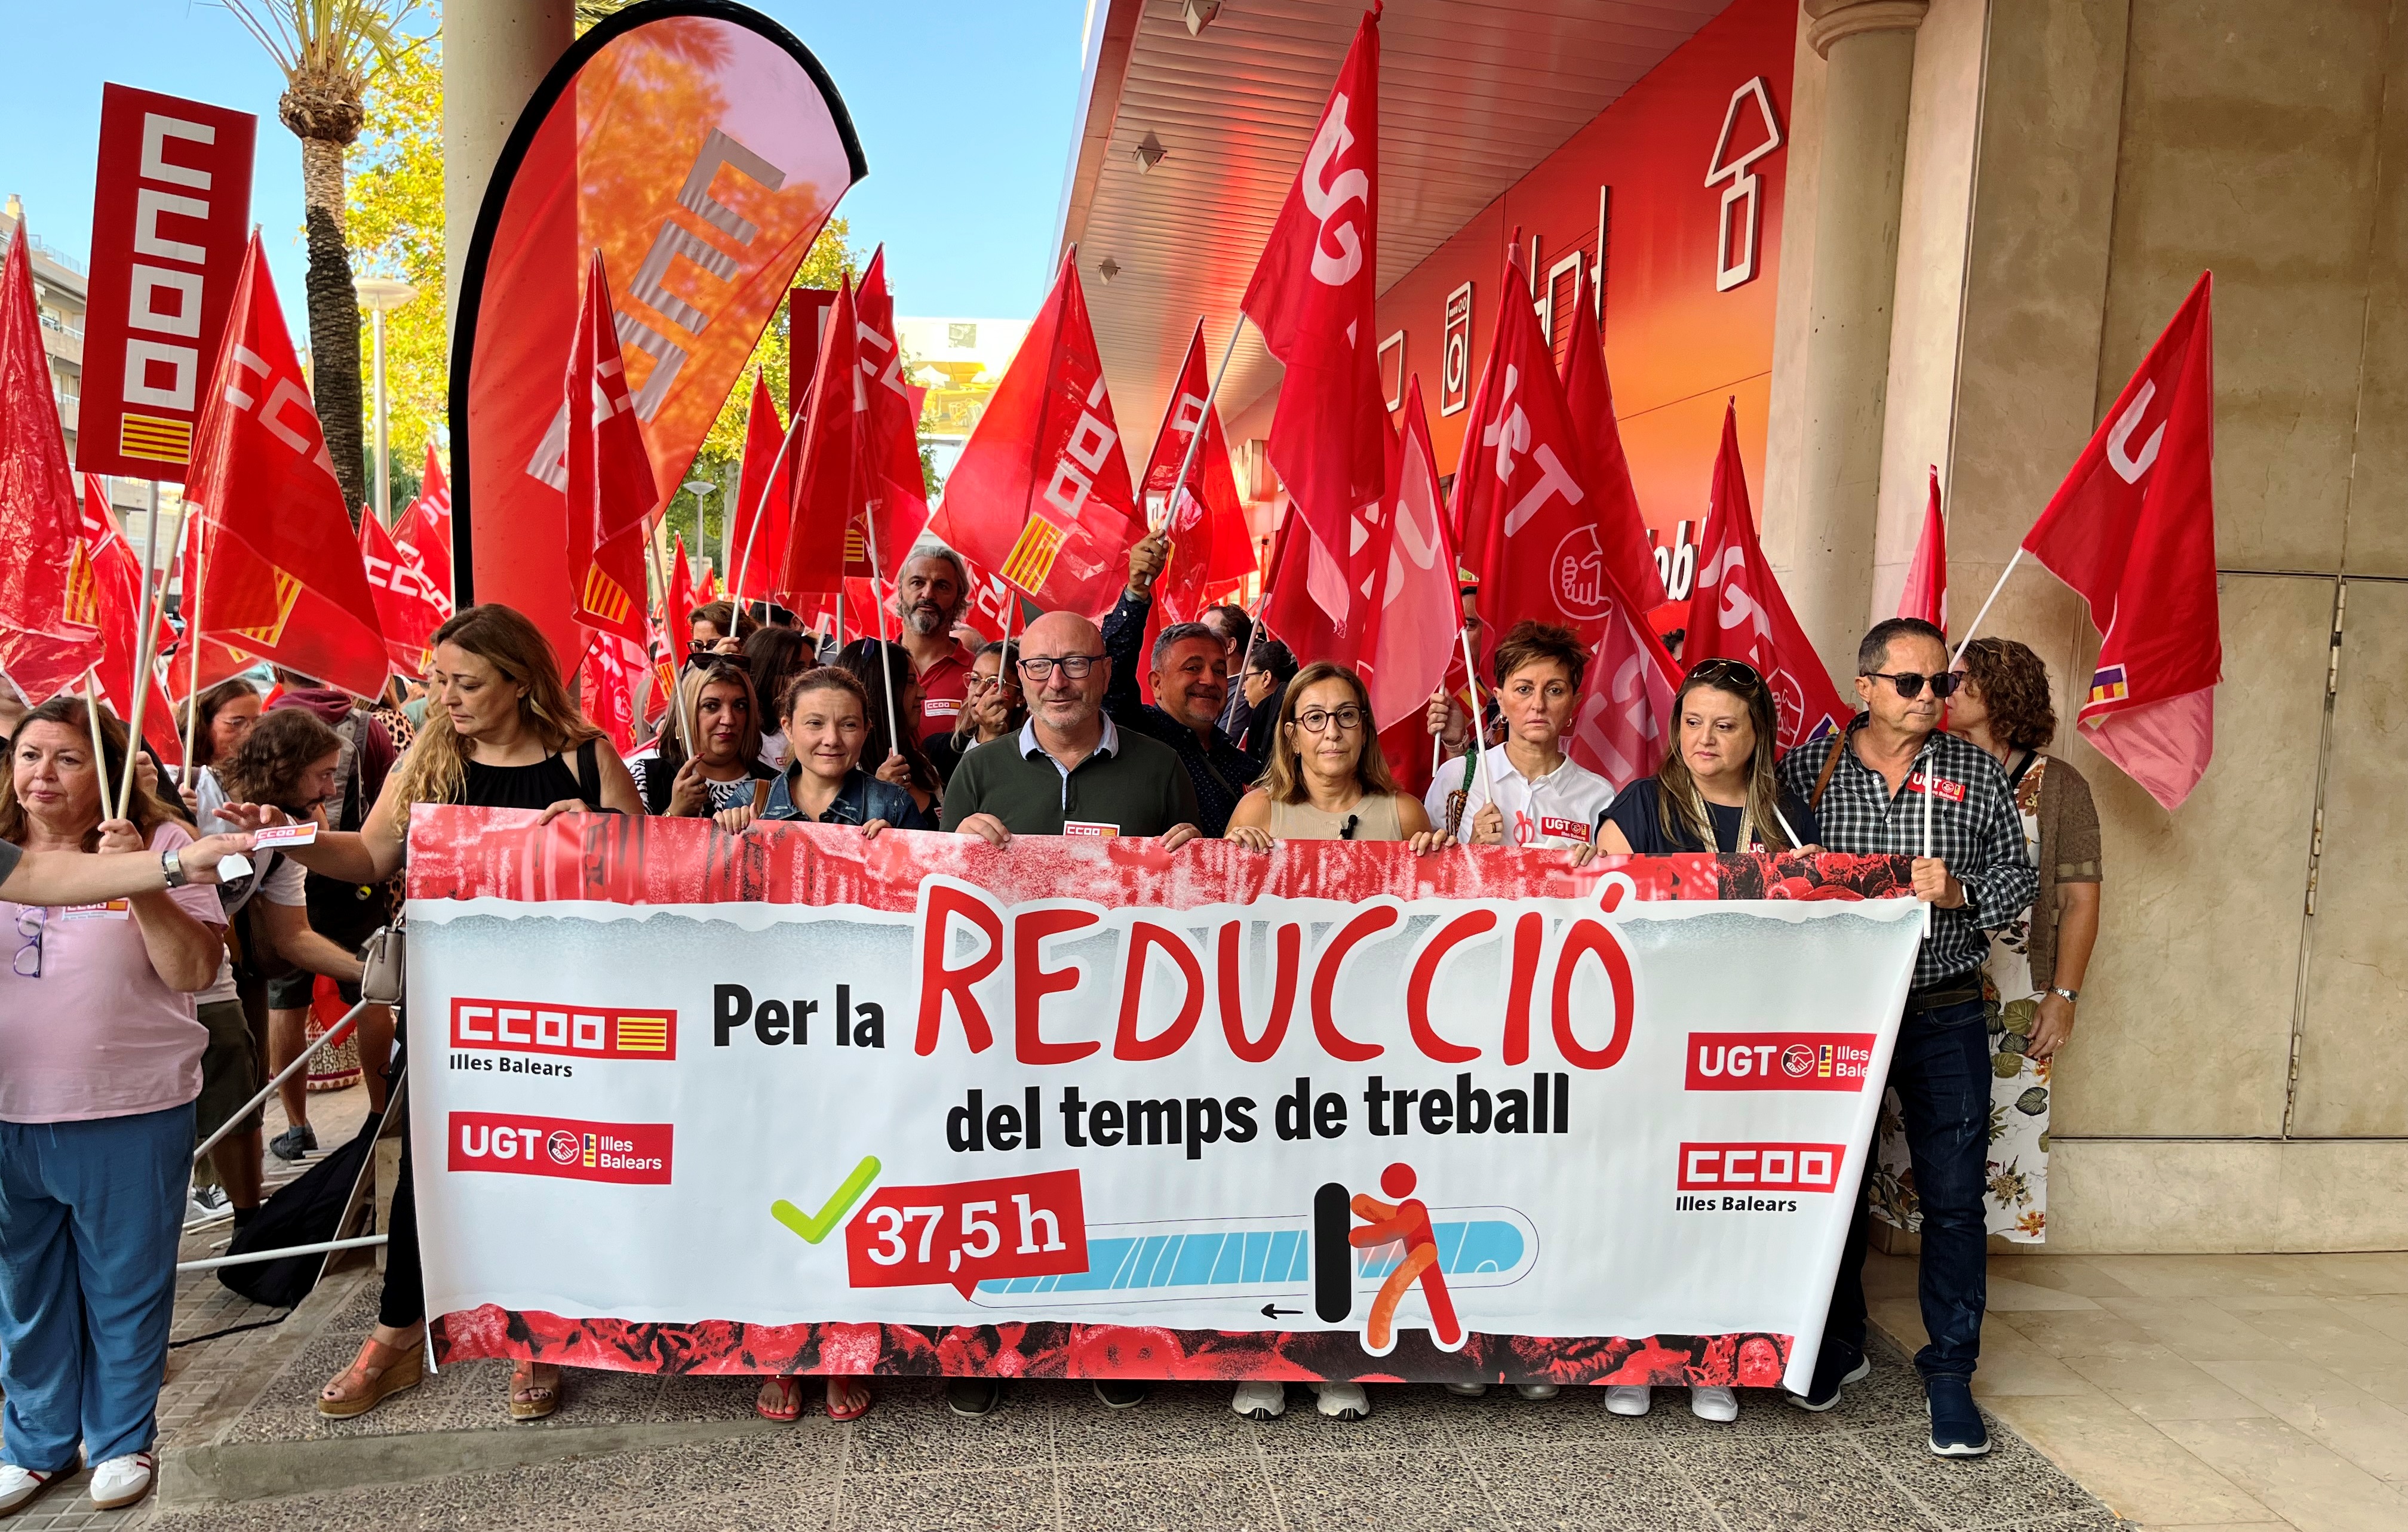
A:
114, 910
942, 707
1088, 829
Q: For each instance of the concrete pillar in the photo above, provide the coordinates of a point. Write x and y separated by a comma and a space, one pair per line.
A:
495, 53
1869, 47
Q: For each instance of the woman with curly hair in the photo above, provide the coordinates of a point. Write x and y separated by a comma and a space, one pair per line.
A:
2034, 974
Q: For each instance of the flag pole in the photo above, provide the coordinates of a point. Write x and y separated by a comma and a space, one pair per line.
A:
1927, 786
677, 688
99, 751
1975, 626
145, 654
885, 661
1479, 733
192, 636
1171, 505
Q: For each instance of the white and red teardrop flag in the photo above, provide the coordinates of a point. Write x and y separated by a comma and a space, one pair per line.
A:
1415, 612
2133, 529
424, 532
1737, 611
280, 574
1041, 494
893, 491
1926, 579
48, 627
1314, 298
1528, 524
408, 607
1605, 468
597, 460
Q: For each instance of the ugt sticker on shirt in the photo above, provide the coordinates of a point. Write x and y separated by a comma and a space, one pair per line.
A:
1949, 791
1570, 829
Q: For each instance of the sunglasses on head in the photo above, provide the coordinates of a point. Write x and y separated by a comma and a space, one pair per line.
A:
1719, 672
1909, 683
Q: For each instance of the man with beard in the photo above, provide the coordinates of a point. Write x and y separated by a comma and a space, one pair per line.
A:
930, 593
1190, 675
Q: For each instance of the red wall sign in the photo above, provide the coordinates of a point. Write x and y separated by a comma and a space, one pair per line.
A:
171, 213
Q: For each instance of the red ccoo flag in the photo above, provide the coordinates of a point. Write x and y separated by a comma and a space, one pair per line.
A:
1528, 524
48, 622
424, 532
828, 502
1209, 545
1738, 613
1314, 296
2133, 529
595, 457
1926, 579
893, 490
1041, 494
1605, 468
1414, 610
763, 514
408, 607
280, 576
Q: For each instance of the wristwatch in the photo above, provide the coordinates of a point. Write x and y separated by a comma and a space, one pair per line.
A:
2070, 996
172, 863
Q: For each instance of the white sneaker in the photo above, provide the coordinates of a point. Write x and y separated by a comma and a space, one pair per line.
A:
1629, 1398
1260, 1400
120, 1481
1467, 1391
19, 1487
1538, 1391
1343, 1401
1708, 1402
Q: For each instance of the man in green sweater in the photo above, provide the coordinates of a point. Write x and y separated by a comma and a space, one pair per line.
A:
1069, 771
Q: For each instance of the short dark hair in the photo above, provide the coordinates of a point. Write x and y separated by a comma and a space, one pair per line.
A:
723, 616
265, 764
1530, 643
2013, 683
1179, 633
1874, 652
1234, 618
1275, 660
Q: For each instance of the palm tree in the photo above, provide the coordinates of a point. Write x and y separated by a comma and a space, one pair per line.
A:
330, 50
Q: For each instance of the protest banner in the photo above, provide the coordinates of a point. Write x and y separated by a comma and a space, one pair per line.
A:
799, 1101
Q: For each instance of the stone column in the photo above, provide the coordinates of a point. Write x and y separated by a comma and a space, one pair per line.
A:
1868, 46
495, 53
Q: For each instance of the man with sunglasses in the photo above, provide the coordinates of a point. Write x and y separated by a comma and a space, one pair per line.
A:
1871, 788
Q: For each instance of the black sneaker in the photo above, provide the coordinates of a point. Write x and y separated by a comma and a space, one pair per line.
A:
293, 1143
974, 1397
1828, 1377
1122, 1393
1957, 1429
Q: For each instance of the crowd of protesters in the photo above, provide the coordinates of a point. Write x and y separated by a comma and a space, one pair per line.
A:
144, 1010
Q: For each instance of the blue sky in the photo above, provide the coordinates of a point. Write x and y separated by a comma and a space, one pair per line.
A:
963, 110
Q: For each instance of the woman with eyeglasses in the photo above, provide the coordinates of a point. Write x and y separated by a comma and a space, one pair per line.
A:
1715, 789
992, 708
100, 1065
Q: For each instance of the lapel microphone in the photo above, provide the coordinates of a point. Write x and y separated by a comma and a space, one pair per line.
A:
1346, 831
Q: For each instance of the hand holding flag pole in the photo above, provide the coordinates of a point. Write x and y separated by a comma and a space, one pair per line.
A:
99, 755
1179, 485
145, 649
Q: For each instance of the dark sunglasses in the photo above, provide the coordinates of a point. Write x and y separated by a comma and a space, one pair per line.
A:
1910, 684
1716, 672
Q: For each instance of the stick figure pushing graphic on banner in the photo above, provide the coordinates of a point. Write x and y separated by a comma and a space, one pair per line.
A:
1407, 1222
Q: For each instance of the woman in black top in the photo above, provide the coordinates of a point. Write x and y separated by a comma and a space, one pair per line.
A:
1715, 789
502, 732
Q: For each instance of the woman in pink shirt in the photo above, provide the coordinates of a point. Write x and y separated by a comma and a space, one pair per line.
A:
102, 1060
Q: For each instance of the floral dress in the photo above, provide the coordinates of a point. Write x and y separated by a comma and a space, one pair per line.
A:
2017, 1203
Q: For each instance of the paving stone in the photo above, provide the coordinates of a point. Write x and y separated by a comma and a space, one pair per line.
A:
992, 1500
1194, 1494
1796, 1484
1592, 1484
1393, 1491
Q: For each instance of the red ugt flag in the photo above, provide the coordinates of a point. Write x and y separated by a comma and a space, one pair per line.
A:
1926, 579
281, 576
48, 626
1041, 494
1605, 468
594, 456
2133, 529
1738, 613
1314, 296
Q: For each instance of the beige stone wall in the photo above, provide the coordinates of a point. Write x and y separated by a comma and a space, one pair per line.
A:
2072, 165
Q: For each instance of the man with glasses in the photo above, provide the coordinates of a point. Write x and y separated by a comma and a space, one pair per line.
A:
1872, 789
1191, 691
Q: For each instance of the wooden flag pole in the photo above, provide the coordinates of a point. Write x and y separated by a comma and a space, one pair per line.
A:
99, 751
144, 650
1170, 507
1957, 658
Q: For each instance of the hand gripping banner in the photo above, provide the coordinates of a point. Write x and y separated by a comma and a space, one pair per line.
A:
796, 1101
700, 149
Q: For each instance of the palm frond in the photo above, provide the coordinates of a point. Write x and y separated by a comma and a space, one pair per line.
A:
351, 40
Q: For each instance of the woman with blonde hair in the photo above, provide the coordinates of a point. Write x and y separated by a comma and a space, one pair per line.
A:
1327, 779
1715, 791
503, 732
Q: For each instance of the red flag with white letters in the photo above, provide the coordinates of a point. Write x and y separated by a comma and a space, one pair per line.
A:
1209, 545
1041, 494
1605, 468
408, 608
2133, 529
602, 471
425, 533
48, 625
1738, 613
1528, 524
117, 592
893, 491
1314, 296
281, 571
1415, 610
1926, 579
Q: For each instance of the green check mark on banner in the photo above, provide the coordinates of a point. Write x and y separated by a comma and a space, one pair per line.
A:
814, 1227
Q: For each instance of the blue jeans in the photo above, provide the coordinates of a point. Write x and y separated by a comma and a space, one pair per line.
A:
90, 1217
1940, 1070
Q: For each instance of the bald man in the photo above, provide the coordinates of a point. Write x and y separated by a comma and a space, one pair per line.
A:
1070, 770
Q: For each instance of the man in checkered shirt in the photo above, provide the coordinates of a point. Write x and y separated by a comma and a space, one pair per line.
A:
1871, 788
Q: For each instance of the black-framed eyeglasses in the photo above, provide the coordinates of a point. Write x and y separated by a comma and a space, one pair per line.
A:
1317, 720
1076, 666
1715, 672
32, 935
1909, 683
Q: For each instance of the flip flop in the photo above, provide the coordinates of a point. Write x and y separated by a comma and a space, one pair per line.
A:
789, 1391
840, 1416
